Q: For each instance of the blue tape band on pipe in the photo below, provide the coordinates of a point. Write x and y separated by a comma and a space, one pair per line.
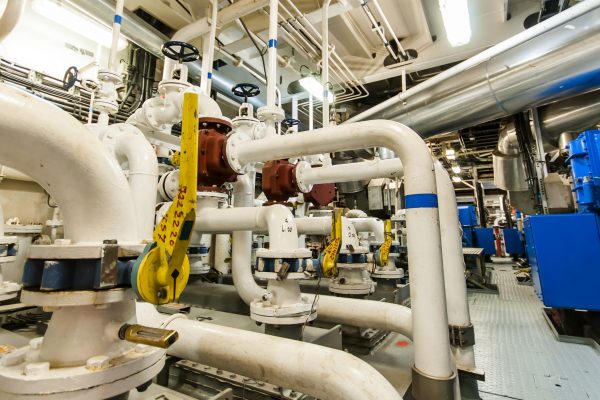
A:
210, 75
272, 42
118, 19
421, 200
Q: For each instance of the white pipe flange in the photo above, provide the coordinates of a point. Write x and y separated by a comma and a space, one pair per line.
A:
301, 167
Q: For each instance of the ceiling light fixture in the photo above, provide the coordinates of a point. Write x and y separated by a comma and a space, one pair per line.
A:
314, 87
450, 154
456, 169
455, 14
456, 179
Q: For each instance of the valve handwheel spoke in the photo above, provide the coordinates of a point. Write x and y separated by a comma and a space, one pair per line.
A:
180, 51
245, 90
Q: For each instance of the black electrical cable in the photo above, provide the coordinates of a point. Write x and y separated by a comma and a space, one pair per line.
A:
262, 55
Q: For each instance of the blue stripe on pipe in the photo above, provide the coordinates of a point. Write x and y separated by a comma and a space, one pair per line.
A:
118, 19
272, 43
421, 200
210, 75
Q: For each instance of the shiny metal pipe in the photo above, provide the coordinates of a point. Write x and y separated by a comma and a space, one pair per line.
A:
551, 61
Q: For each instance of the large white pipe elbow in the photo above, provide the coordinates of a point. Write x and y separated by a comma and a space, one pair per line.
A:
57, 151
430, 321
131, 148
318, 371
11, 17
369, 224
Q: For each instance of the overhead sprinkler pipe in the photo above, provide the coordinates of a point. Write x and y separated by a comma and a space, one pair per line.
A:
68, 163
209, 50
272, 55
327, 374
430, 322
116, 32
10, 17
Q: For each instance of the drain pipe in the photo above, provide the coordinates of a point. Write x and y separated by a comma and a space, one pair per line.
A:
314, 370
433, 365
68, 163
325, 62
11, 17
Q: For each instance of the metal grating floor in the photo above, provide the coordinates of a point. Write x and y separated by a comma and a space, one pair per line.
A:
518, 351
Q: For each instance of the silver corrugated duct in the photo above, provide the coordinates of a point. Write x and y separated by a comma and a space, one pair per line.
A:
148, 38
551, 61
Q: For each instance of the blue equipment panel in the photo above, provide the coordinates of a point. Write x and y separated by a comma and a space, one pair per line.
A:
484, 238
512, 241
467, 215
564, 254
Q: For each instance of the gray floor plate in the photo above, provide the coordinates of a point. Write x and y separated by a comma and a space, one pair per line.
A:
520, 356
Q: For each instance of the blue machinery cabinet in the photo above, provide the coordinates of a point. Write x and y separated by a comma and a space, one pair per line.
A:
513, 242
564, 249
564, 254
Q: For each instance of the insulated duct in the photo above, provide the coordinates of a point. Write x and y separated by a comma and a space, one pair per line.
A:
551, 61
509, 172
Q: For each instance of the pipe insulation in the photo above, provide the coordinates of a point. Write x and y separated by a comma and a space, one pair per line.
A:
10, 17
315, 370
70, 164
553, 60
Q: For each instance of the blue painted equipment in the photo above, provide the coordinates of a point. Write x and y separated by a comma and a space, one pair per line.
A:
467, 215
564, 249
513, 242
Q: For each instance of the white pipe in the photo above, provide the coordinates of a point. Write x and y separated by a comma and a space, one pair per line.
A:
325, 62
454, 266
369, 224
430, 321
116, 31
209, 50
311, 113
271, 218
70, 164
315, 370
322, 226
11, 17
272, 55
366, 170
201, 27
1, 232
131, 145
388, 26
241, 245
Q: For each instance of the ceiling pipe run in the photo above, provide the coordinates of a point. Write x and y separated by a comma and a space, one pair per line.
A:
139, 32
551, 61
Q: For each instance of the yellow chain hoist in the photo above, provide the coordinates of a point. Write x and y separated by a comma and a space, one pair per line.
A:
384, 249
161, 272
331, 251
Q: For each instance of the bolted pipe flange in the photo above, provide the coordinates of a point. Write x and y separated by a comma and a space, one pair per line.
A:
301, 167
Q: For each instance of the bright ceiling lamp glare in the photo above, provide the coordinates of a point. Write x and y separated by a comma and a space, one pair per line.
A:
314, 87
456, 179
76, 23
457, 24
450, 154
456, 169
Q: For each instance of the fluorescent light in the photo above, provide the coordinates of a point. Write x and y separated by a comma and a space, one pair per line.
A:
314, 87
455, 14
456, 179
450, 153
77, 23
456, 169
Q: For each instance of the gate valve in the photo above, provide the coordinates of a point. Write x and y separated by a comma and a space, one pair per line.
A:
290, 123
181, 52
